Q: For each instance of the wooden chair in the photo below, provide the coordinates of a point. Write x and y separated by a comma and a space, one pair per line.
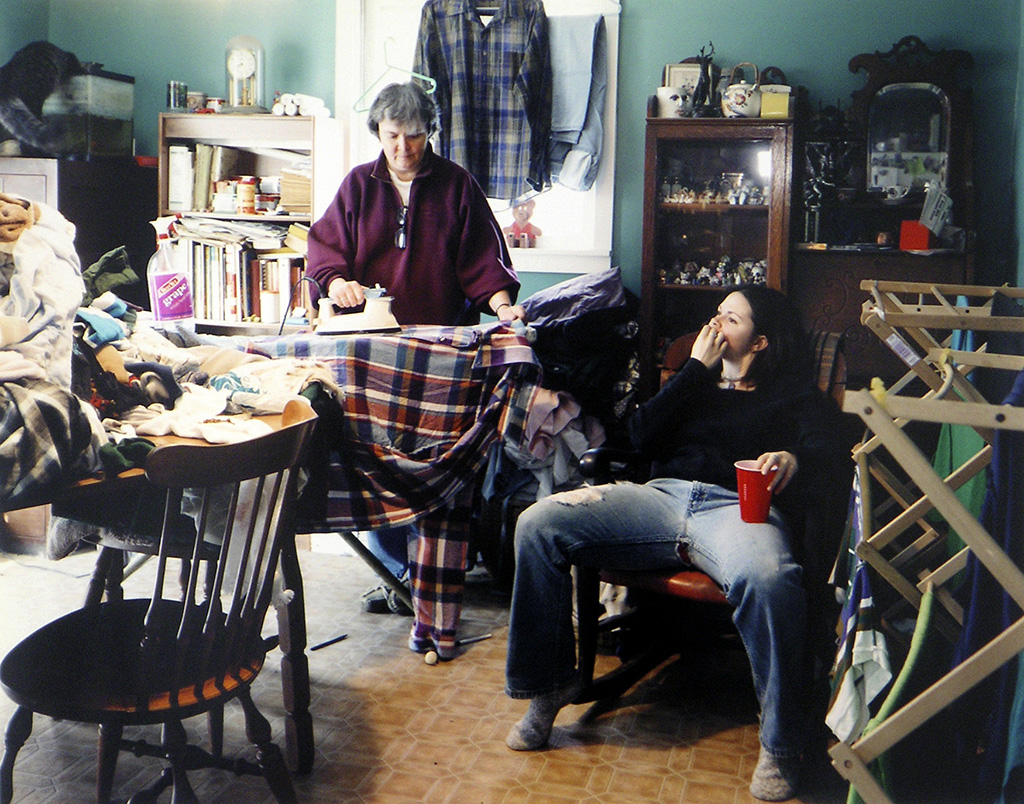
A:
179, 653
688, 586
128, 537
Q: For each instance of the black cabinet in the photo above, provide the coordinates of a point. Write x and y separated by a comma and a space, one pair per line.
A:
862, 177
111, 202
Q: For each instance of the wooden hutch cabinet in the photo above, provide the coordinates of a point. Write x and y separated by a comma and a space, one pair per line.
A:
716, 213
862, 177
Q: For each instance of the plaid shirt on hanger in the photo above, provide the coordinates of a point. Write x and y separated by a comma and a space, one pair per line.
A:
493, 90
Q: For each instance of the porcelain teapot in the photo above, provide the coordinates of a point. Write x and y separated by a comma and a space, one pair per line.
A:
740, 99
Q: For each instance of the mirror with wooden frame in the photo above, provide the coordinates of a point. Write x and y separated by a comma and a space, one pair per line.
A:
907, 139
914, 112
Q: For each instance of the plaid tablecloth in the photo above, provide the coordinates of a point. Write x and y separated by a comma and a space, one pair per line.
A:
421, 409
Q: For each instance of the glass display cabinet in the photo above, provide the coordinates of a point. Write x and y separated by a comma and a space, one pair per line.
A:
716, 214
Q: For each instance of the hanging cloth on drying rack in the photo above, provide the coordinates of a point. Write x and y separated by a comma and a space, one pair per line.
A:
493, 90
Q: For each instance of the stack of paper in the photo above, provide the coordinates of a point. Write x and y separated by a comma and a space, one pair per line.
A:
296, 238
296, 191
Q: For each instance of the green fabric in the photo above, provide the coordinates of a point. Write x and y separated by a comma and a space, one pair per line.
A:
957, 444
920, 669
125, 454
109, 272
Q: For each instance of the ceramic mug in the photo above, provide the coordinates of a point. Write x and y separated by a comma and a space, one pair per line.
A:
674, 102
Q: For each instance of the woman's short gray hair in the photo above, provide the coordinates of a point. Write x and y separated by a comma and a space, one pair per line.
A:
403, 103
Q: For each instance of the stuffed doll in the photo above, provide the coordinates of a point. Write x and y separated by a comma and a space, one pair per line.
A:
16, 215
522, 233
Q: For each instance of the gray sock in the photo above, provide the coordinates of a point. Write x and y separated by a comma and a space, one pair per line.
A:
775, 778
533, 731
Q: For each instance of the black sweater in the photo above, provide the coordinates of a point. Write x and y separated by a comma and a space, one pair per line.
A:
694, 430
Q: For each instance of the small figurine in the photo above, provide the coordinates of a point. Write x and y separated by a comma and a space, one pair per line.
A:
704, 100
675, 273
522, 233
743, 271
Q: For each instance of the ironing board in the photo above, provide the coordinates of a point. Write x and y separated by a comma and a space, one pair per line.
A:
420, 410
916, 320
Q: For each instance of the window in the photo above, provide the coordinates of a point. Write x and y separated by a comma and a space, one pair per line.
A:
375, 43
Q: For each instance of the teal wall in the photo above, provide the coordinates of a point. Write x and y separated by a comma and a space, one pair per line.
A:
1018, 146
24, 22
158, 41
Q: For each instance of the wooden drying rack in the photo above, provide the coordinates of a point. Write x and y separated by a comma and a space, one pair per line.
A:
916, 321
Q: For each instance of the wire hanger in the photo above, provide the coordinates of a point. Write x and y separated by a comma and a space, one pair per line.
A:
358, 106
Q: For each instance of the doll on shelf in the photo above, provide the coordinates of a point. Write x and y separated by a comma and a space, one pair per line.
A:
522, 233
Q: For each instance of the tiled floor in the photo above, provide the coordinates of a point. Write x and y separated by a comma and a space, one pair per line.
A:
392, 730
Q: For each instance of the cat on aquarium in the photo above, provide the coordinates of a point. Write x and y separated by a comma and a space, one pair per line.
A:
26, 81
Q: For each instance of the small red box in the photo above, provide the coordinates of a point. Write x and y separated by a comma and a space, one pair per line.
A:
914, 236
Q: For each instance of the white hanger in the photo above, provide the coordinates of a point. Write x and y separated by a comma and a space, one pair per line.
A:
431, 83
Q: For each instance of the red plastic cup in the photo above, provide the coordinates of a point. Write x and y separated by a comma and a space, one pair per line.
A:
755, 496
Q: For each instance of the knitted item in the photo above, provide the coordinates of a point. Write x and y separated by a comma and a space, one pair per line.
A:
533, 731
775, 778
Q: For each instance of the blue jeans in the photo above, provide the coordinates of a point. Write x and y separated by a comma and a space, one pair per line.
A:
642, 527
391, 546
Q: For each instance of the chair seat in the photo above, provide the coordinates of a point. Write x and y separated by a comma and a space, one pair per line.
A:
88, 666
688, 584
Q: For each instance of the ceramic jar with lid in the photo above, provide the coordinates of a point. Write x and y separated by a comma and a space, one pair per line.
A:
742, 99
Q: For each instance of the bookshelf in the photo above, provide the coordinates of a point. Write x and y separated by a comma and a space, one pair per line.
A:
242, 264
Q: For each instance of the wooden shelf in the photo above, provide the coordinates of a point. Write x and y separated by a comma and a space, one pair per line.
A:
680, 287
273, 140
232, 281
697, 207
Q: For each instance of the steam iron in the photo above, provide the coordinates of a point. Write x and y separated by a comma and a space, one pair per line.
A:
374, 317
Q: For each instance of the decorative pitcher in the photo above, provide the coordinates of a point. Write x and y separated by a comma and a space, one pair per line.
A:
741, 99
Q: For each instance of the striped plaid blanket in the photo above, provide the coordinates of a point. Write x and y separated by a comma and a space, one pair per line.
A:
421, 410
48, 436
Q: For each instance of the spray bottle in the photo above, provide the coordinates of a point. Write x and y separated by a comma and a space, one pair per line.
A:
170, 294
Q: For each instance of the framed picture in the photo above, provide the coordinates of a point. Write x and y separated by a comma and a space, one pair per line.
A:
681, 75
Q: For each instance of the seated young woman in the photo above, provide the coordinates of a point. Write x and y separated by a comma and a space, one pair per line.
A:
746, 392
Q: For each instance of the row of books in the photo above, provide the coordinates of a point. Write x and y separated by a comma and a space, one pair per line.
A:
235, 284
243, 271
